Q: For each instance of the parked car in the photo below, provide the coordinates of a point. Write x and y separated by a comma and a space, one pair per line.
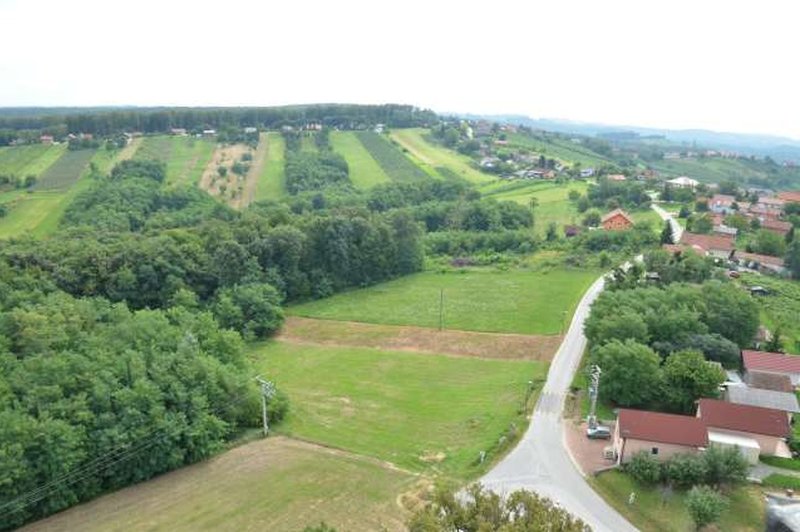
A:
599, 432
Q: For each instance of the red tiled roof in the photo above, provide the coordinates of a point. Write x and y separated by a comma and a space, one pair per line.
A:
743, 418
769, 381
776, 225
763, 259
662, 428
774, 362
722, 199
708, 242
616, 212
790, 195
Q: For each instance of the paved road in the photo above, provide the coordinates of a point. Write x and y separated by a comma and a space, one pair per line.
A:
677, 230
540, 462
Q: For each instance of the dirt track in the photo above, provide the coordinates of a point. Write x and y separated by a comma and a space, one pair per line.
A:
460, 343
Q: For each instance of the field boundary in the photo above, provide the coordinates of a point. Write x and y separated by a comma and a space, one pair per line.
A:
448, 342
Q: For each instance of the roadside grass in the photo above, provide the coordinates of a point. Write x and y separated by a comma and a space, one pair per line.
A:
784, 463
365, 171
780, 481
434, 156
657, 510
272, 181
422, 412
273, 484
514, 301
392, 161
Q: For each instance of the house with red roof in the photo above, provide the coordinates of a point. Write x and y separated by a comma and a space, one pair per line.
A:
776, 226
661, 435
766, 362
617, 220
715, 245
790, 196
746, 427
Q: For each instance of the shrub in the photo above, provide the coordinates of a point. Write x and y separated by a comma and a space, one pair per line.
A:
725, 466
704, 505
685, 470
644, 468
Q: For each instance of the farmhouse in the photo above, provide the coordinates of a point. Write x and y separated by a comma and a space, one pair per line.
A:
178, 131
46, 139
617, 220
662, 435
760, 263
682, 181
744, 395
765, 362
768, 427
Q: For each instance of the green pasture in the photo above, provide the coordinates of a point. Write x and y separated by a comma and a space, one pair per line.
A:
272, 181
430, 155
421, 412
515, 301
365, 171
29, 159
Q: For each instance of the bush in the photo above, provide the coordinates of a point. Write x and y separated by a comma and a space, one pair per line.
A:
705, 505
685, 470
644, 468
252, 309
725, 466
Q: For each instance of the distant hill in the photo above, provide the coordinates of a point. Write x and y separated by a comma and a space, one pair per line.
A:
777, 147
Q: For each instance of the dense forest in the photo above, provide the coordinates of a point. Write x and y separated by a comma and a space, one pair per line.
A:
161, 120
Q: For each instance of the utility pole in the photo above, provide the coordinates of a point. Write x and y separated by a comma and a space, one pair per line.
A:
594, 389
267, 393
441, 309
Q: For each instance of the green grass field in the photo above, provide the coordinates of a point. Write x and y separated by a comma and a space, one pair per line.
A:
514, 301
653, 512
39, 212
394, 163
559, 148
709, 170
384, 404
431, 156
365, 171
553, 203
30, 159
185, 157
780, 309
274, 484
272, 181
65, 171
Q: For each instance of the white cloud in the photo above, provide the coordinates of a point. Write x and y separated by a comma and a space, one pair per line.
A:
673, 64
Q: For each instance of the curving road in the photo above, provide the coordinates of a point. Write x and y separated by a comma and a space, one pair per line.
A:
541, 462
677, 230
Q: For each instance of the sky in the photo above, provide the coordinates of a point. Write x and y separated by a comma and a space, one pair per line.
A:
726, 66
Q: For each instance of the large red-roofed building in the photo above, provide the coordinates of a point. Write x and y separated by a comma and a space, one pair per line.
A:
768, 427
766, 362
659, 434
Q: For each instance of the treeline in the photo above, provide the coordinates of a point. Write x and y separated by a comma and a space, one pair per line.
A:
161, 120
313, 170
653, 344
95, 396
132, 199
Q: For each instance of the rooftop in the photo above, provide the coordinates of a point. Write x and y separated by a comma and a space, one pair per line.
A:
744, 395
617, 212
772, 362
743, 418
662, 428
769, 381
708, 242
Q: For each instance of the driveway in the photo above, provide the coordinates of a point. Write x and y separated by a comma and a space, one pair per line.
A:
541, 462
677, 230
